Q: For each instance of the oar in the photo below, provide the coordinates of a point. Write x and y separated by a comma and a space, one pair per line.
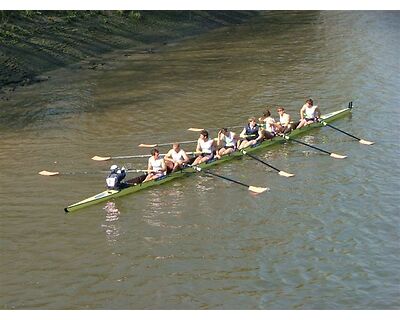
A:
196, 129
333, 155
251, 188
362, 141
201, 129
281, 173
98, 158
144, 145
57, 173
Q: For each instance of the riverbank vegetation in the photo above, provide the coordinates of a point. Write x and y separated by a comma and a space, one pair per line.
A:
33, 42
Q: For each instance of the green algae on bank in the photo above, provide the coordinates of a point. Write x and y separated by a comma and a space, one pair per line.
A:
33, 42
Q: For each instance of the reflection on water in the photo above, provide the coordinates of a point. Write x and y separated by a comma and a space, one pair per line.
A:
164, 203
111, 225
309, 139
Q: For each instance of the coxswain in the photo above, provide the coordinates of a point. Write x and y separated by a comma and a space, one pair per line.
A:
206, 147
250, 135
226, 142
176, 158
115, 177
156, 166
308, 114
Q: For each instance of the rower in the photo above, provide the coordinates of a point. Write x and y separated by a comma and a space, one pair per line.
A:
226, 142
268, 124
206, 148
250, 135
156, 166
115, 177
284, 125
308, 114
176, 158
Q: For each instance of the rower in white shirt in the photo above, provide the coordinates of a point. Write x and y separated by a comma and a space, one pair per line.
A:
268, 125
176, 158
206, 148
226, 142
284, 125
308, 114
156, 167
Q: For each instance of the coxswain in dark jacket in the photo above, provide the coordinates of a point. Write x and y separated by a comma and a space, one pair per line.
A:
115, 177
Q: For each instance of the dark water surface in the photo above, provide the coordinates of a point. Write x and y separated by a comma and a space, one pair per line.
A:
325, 239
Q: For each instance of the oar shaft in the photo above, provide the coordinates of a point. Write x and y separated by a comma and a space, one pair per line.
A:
309, 145
57, 173
182, 142
226, 178
350, 135
165, 144
136, 156
258, 159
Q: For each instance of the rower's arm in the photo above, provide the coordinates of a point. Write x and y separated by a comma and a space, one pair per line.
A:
243, 133
260, 134
185, 157
219, 139
288, 120
234, 137
149, 167
198, 149
163, 166
168, 156
302, 112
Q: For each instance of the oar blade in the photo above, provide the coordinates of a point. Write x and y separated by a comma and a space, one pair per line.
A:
143, 145
362, 141
195, 129
337, 156
285, 174
258, 189
49, 173
98, 158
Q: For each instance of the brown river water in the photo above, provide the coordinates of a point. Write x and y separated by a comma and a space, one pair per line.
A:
327, 238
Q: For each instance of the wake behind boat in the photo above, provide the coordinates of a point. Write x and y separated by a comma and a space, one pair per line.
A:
137, 184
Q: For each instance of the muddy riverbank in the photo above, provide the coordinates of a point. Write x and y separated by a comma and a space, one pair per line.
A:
34, 42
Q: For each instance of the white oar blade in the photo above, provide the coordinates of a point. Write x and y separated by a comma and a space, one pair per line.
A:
337, 156
286, 174
258, 189
48, 173
362, 141
143, 145
195, 129
98, 158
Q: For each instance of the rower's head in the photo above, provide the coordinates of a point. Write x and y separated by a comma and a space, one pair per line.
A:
114, 168
224, 131
280, 109
204, 134
176, 147
310, 102
252, 121
266, 114
155, 153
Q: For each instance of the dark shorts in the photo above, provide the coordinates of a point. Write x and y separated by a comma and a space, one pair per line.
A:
228, 147
311, 119
210, 156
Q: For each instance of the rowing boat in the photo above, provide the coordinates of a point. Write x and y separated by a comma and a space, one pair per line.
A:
136, 184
